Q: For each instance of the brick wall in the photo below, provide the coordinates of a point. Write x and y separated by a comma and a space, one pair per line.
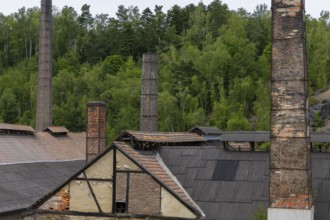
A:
121, 187
96, 129
290, 174
144, 195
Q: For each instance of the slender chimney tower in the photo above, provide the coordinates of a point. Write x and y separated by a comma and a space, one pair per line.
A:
149, 89
44, 97
96, 129
290, 163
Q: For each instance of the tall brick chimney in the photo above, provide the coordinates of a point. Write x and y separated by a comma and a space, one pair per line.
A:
44, 96
96, 129
149, 90
290, 163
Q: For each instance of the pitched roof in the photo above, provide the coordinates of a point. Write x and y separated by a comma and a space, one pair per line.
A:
41, 146
236, 193
207, 130
154, 165
23, 184
164, 137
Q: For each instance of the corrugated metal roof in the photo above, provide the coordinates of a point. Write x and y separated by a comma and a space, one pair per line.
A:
246, 136
57, 129
263, 136
207, 130
13, 127
153, 164
42, 147
23, 184
165, 137
237, 199
225, 170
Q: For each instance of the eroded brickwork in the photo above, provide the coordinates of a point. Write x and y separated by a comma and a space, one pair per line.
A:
144, 195
44, 96
58, 202
290, 175
96, 129
149, 89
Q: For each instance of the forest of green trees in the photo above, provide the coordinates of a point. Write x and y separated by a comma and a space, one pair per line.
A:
214, 65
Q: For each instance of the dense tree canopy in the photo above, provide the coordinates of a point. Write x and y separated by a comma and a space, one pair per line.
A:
214, 65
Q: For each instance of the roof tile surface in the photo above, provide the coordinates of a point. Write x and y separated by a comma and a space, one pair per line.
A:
165, 137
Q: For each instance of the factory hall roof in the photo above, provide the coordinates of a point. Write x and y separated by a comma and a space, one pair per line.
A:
23, 184
233, 185
41, 147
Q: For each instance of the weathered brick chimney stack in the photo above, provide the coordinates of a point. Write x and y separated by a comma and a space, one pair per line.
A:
96, 129
290, 164
44, 97
149, 90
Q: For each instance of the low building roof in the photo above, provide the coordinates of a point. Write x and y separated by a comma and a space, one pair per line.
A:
248, 136
23, 184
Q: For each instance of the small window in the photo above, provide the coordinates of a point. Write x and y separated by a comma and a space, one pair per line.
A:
120, 207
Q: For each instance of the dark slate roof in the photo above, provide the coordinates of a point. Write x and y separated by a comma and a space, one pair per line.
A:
263, 136
41, 147
207, 130
154, 165
23, 184
236, 195
248, 136
163, 137
320, 137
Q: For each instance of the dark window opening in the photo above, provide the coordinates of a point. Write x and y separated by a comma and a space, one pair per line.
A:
120, 207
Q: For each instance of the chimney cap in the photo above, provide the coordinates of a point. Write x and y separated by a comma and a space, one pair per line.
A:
95, 103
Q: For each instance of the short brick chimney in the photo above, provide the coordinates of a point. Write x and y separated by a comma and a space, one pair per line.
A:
96, 129
149, 91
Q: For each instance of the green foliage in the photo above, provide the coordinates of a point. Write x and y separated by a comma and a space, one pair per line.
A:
260, 214
237, 122
318, 121
214, 65
9, 111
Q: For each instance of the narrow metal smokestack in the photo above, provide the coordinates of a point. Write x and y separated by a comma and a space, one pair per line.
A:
96, 129
149, 90
290, 163
44, 96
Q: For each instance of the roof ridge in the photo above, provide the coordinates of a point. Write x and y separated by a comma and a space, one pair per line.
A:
167, 170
